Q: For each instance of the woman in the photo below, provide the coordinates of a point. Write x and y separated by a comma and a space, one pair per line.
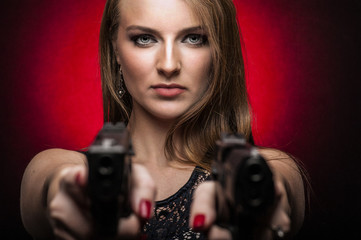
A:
173, 71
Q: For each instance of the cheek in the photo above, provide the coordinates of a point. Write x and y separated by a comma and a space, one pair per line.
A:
135, 65
200, 66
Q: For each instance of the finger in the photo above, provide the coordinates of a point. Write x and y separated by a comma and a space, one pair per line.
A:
275, 222
277, 225
67, 217
143, 192
73, 176
280, 219
130, 227
219, 233
203, 212
62, 234
61, 231
73, 181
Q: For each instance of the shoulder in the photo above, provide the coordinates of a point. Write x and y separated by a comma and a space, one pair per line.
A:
281, 159
55, 157
54, 154
48, 161
283, 163
273, 154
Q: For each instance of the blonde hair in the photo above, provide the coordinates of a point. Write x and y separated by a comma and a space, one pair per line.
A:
223, 108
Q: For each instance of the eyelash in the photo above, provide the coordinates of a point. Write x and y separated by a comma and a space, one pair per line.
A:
202, 40
136, 40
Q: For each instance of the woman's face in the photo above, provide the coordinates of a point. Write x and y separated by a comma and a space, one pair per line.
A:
164, 56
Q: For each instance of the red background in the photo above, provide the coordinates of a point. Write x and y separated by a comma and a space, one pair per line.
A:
302, 65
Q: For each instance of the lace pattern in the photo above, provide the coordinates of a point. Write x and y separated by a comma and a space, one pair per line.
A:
171, 216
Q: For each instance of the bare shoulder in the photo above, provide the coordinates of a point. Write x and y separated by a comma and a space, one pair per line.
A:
58, 155
51, 159
54, 153
284, 164
276, 157
273, 154
48, 161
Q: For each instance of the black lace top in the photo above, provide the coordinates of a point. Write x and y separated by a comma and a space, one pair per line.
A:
171, 216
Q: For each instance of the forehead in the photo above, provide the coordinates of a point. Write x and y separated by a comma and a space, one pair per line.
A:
162, 13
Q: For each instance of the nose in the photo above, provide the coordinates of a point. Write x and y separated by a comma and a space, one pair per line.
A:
168, 63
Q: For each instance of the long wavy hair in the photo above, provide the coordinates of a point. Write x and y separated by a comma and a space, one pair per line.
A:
224, 107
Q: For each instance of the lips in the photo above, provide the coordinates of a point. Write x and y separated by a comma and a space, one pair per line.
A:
168, 90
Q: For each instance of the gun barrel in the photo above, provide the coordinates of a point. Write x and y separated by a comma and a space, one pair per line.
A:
109, 171
245, 187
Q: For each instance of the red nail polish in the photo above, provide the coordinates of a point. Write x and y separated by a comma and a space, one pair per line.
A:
77, 179
198, 222
145, 208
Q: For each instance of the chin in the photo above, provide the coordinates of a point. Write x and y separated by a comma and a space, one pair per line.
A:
163, 112
167, 116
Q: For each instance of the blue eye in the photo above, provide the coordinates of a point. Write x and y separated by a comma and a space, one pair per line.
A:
195, 39
143, 40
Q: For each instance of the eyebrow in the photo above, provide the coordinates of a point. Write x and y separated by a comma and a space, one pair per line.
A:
153, 31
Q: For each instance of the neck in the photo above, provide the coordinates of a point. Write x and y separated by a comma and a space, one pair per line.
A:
148, 137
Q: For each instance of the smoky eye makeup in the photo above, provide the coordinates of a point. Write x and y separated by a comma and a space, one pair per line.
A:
195, 36
141, 36
142, 39
196, 39
146, 37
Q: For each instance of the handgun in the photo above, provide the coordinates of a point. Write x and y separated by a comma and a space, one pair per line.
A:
109, 164
245, 187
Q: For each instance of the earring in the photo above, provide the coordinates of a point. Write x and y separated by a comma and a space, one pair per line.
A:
121, 90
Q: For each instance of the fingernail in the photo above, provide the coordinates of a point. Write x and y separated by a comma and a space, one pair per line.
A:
77, 179
198, 222
145, 208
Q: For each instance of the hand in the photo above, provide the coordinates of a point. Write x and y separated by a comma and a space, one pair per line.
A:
69, 207
274, 224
